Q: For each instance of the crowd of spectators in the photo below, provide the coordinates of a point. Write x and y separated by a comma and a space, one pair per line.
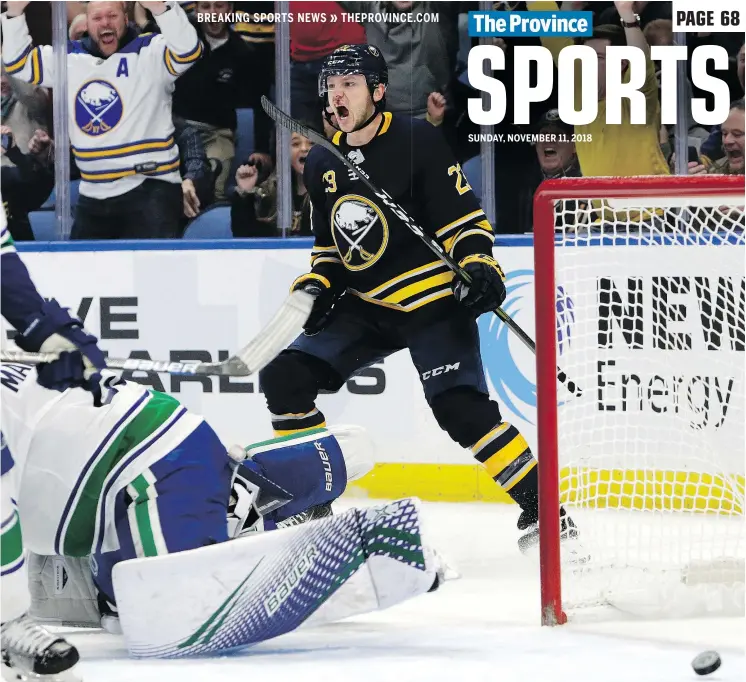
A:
427, 79
26, 167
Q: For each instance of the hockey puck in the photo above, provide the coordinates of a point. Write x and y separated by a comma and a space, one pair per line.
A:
707, 662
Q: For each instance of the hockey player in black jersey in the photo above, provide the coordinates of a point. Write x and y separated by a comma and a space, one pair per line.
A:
380, 290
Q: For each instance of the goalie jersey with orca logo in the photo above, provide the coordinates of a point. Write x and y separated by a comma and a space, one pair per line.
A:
120, 122
361, 245
72, 458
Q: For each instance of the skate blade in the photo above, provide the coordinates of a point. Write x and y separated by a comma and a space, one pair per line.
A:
572, 551
12, 674
529, 541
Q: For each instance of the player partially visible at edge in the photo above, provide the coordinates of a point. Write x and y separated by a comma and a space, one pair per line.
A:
143, 477
44, 326
380, 290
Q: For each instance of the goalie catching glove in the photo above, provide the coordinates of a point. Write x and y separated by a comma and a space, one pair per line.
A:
486, 291
326, 297
80, 361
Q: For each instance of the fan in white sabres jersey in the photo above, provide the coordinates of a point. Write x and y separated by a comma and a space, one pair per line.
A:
120, 87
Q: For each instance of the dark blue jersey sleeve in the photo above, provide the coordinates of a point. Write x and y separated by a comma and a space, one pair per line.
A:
20, 302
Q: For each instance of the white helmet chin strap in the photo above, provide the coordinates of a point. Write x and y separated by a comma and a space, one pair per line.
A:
367, 123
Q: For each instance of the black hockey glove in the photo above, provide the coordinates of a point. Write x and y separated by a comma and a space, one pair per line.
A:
323, 307
487, 288
67, 371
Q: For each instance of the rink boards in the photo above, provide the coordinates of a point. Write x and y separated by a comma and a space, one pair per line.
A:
187, 300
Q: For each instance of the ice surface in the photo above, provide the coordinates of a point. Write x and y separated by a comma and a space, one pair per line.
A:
484, 626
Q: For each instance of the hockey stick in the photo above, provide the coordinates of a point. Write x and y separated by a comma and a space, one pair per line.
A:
291, 124
259, 352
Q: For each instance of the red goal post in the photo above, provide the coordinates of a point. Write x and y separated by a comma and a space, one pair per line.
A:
643, 191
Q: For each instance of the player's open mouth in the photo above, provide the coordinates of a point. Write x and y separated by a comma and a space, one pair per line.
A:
108, 37
343, 113
550, 152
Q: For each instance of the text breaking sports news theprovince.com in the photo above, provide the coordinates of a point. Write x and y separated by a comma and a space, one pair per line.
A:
319, 17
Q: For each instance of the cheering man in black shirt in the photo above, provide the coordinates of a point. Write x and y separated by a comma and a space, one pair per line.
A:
380, 290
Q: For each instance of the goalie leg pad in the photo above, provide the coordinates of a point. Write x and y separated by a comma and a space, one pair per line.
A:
178, 503
313, 467
297, 473
235, 594
357, 449
62, 591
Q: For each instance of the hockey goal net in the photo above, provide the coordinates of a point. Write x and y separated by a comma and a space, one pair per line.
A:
640, 296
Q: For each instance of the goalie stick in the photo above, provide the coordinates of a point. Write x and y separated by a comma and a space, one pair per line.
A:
260, 351
291, 124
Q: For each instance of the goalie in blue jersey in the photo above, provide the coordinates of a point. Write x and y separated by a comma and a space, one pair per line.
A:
105, 483
157, 522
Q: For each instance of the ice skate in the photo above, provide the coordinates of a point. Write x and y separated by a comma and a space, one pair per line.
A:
569, 536
30, 652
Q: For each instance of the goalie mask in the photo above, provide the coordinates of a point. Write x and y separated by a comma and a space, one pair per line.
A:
253, 497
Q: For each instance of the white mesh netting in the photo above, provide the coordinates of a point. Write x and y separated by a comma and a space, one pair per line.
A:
650, 324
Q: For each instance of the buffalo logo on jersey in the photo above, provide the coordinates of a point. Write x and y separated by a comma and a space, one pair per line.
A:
360, 231
98, 107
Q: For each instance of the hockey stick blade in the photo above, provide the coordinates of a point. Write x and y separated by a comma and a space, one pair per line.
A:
283, 119
283, 328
